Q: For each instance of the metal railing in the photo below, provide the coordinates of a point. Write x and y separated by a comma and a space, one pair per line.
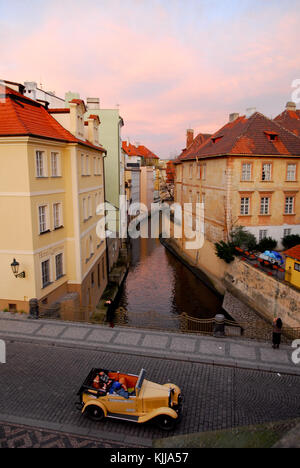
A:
183, 323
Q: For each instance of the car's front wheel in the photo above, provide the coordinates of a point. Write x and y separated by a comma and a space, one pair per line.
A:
94, 413
165, 422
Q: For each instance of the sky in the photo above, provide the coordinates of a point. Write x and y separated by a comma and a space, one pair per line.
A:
169, 64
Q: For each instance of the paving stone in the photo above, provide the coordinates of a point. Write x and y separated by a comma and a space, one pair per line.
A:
183, 344
212, 347
244, 352
155, 341
274, 355
127, 338
100, 335
19, 327
75, 333
50, 330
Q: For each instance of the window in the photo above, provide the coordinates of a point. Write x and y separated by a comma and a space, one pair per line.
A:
198, 171
246, 171
289, 205
297, 266
99, 166
84, 209
264, 205
87, 165
203, 170
59, 266
245, 205
43, 218
287, 232
291, 172
198, 197
57, 215
40, 164
266, 171
191, 171
262, 234
89, 207
45, 273
82, 165
91, 245
95, 166
55, 165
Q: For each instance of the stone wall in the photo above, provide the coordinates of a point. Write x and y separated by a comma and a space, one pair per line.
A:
267, 296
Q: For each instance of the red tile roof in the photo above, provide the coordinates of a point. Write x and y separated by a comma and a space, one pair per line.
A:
21, 116
290, 120
191, 150
248, 136
142, 151
63, 110
294, 252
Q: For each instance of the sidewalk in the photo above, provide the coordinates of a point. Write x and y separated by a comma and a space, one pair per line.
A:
234, 352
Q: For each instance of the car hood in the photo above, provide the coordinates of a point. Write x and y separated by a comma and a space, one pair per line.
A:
154, 390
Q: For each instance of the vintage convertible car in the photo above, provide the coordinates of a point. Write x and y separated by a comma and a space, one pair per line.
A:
130, 398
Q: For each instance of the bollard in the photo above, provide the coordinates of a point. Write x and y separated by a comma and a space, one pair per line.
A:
34, 309
219, 327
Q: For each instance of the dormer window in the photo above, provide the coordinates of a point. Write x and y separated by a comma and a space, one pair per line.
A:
216, 139
272, 136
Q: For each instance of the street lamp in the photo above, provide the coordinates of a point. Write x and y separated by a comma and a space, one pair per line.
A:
15, 268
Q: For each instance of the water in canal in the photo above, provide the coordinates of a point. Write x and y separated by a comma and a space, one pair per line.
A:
159, 286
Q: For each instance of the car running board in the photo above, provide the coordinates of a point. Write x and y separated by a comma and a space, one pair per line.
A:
125, 417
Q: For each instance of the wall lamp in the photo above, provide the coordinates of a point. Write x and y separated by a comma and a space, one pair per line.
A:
15, 268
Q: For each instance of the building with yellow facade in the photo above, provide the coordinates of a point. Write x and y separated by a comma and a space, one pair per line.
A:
51, 181
246, 174
292, 266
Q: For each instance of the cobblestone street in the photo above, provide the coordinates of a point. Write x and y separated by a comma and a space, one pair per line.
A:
39, 385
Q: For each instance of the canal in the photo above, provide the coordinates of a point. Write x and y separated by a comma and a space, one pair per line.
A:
158, 286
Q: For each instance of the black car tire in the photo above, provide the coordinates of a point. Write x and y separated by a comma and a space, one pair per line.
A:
95, 413
165, 422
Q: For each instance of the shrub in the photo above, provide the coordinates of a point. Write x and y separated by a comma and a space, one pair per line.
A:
240, 237
225, 251
290, 241
268, 243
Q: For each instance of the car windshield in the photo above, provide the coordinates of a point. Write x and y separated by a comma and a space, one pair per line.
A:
140, 379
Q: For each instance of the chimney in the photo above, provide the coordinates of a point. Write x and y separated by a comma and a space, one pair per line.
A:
93, 103
290, 106
233, 116
189, 137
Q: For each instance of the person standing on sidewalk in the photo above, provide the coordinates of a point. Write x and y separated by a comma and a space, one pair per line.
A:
276, 338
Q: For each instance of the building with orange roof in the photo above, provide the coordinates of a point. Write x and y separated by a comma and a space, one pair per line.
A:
52, 180
292, 266
290, 118
245, 174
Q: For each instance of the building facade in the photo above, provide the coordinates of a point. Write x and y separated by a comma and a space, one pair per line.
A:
51, 183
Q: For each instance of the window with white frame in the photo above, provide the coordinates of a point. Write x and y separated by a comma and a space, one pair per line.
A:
245, 205
267, 171
289, 205
99, 166
246, 171
55, 164
59, 267
46, 273
40, 161
287, 232
43, 218
262, 234
203, 170
297, 266
291, 172
57, 216
95, 165
265, 205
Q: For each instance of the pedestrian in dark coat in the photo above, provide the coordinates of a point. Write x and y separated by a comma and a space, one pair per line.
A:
276, 338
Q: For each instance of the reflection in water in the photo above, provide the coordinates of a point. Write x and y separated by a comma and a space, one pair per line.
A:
158, 282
